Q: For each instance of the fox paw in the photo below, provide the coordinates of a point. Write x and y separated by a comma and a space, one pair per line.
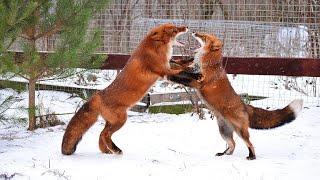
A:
199, 77
115, 149
251, 157
220, 154
119, 152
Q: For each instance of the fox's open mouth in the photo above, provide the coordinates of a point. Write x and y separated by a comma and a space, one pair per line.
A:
177, 42
196, 46
199, 41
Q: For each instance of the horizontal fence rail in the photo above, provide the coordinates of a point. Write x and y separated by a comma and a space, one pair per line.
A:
246, 65
237, 65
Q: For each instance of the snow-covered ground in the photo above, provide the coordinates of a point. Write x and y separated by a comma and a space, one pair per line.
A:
160, 146
163, 146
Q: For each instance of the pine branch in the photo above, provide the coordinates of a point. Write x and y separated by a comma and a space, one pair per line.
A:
54, 30
58, 25
55, 114
9, 45
40, 74
21, 75
24, 37
59, 76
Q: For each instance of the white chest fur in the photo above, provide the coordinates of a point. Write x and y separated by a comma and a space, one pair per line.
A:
197, 57
170, 51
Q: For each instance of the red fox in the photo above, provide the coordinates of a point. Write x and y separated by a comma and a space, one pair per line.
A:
216, 91
147, 64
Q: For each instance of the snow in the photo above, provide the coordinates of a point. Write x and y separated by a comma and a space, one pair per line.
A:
173, 103
280, 90
78, 80
55, 101
161, 146
253, 85
293, 41
274, 88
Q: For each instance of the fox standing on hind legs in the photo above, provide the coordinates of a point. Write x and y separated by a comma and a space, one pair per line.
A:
147, 64
216, 91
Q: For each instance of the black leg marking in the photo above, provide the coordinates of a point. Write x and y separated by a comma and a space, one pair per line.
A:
223, 153
251, 155
181, 80
192, 75
116, 149
188, 58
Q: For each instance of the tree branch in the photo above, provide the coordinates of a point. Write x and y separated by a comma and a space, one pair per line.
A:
57, 26
21, 75
24, 37
54, 29
9, 45
55, 114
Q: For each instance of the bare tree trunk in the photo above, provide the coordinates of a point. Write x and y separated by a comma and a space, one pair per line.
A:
32, 105
313, 29
314, 43
31, 33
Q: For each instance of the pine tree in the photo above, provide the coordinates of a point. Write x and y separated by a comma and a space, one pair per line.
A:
25, 22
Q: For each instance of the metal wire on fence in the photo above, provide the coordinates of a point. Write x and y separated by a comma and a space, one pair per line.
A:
248, 28
251, 28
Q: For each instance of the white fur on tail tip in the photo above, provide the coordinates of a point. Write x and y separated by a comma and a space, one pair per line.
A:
296, 106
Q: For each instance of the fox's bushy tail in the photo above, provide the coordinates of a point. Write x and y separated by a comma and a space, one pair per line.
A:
84, 118
264, 119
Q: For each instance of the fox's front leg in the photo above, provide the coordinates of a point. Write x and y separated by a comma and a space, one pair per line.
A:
201, 79
195, 83
189, 82
181, 63
188, 79
171, 72
176, 69
164, 70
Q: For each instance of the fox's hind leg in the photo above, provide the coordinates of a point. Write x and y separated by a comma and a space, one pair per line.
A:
226, 132
241, 126
115, 119
244, 134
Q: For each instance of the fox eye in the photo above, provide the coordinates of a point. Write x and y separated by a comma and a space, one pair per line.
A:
175, 30
169, 31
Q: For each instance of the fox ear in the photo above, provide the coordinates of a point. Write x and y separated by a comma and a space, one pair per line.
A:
216, 46
155, 36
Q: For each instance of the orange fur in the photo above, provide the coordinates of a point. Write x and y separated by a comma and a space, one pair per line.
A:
148, 62
232, 114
